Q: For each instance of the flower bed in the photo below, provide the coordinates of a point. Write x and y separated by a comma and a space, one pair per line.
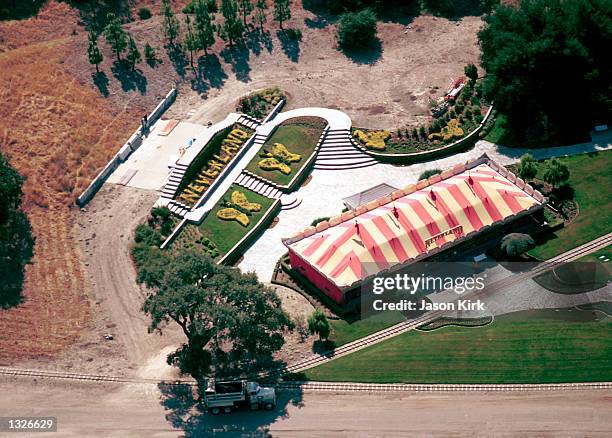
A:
261, 102
210, 162
287, 150
461, 117
218, 235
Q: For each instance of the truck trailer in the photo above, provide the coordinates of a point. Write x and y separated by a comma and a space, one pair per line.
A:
227, 396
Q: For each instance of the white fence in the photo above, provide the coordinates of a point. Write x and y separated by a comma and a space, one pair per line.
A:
126, 150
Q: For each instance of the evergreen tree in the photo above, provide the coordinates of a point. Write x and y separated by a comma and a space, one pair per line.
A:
204, 27
191, 43
93, 51
528, 167
115, 35
149, 53
260, 13
555, 172
232, 28
245, 7
282, 11
471, 72
319, 325
170, 24
133, 54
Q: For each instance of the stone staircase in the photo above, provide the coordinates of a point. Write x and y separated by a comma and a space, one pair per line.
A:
259, 185
338, 152
249, 122
174, 180
178, 208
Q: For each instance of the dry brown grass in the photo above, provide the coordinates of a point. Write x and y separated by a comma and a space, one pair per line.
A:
58, 134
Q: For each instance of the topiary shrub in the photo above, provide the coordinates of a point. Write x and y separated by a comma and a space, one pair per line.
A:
516, 244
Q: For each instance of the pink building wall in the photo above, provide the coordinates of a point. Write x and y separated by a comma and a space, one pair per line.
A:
316, 278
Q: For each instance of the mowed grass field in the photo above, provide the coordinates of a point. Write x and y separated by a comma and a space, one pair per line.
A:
591, 179
300, 136
543, 346
344, 332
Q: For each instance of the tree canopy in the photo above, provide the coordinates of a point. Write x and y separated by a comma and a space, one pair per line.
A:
16, 241
548, 66
232, 322
232, 28
319, 325
115, 35
555, 172
357, 30
528, 167
516, 244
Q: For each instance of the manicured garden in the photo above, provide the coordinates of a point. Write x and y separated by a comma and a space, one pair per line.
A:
259, 103
297, 138
453, 119
543, 346
210, 162
222, 228
591, 181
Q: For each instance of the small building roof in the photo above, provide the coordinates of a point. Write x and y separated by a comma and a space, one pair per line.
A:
371, 194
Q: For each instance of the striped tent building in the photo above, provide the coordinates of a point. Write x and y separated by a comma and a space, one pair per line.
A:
410, 224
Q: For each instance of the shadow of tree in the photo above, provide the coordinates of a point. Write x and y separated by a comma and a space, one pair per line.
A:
19, 9
290, 45
257, 40
238, 57
178, 59
318, 23
185, 412
101, 81
130, 80
16, 246
368, 55
455, 9
93, 13
209, 74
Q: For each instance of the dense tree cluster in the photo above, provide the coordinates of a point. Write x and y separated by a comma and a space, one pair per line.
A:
16, 241
548, 66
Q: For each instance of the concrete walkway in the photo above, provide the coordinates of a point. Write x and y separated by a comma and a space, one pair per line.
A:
322, 196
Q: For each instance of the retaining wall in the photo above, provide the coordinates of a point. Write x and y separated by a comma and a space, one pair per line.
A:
416, 157
133, 143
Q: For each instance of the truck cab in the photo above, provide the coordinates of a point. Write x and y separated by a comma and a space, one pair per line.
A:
227, 396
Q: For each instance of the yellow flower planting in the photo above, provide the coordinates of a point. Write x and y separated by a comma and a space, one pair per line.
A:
229, 214
372, 139
279, 150
274, 164
450, 131
240, 200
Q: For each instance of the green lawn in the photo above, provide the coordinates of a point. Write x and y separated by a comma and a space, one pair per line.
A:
591, 179
344, 332
300, 136
224, 234
524, 347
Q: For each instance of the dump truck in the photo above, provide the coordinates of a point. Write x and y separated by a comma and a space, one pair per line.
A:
227, 396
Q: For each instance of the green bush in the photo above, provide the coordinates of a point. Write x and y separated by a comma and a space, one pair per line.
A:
211, 5
357, 30
147, 236
428, 173
475, 101
144, 13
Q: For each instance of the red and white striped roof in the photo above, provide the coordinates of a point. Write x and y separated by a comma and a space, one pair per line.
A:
413, 222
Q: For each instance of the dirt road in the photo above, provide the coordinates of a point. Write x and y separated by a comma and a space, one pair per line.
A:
106, 229
389, 89
135, 411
